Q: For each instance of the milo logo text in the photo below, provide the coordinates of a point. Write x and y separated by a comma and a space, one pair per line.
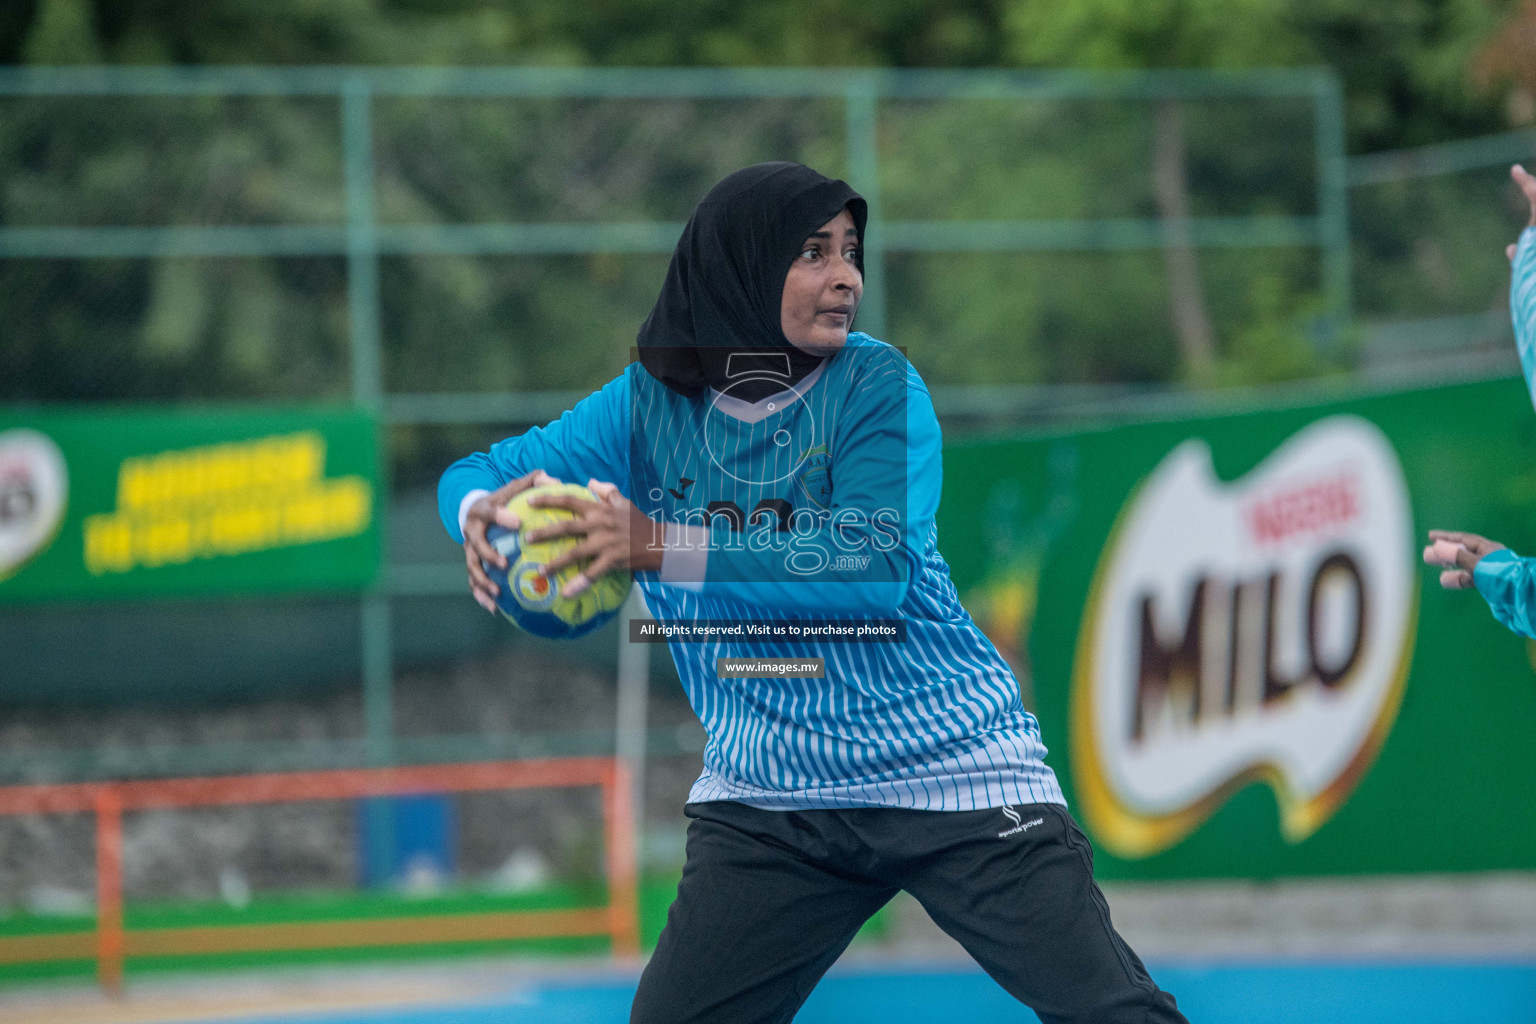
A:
1252, 630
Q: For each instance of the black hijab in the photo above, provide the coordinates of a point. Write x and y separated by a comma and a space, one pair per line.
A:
716, 323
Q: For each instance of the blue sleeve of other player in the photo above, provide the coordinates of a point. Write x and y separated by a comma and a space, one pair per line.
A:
870, 544
1508, 583
1522, 305
590, 441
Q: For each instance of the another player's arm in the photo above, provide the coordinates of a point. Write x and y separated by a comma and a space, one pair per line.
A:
1506, 581
1522, 283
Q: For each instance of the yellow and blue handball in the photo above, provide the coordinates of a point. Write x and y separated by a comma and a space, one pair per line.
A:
534, 601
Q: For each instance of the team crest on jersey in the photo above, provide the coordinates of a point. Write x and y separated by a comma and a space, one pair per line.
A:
816, 476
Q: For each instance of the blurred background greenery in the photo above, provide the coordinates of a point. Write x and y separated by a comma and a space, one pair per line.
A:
1413, 72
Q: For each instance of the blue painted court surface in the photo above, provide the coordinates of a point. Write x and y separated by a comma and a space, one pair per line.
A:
1363, 993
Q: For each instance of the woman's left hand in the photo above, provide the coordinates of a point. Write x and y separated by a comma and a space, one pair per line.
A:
615, 535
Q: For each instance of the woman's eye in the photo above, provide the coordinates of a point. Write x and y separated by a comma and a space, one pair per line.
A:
810, 253
852, 255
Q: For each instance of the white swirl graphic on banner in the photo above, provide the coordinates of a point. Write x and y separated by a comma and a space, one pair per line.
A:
34, 486
1259, 629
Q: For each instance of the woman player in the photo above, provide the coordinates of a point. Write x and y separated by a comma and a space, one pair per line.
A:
761, 462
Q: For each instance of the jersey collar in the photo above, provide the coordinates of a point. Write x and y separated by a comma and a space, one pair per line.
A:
754, 412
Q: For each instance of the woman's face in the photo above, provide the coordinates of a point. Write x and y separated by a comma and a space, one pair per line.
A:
823, 288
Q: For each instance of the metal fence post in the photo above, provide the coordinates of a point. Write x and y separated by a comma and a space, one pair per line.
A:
368, 393
109, 890
864, 170
634, 680
1333, 203
621, 858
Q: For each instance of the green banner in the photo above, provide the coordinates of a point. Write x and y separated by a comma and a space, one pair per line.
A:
128, 504
1240, 663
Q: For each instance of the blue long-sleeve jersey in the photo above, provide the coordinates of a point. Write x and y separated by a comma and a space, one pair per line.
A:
1507, 581
817, 503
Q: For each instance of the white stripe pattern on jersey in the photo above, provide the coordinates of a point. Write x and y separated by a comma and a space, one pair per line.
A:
1522, 305
933, 724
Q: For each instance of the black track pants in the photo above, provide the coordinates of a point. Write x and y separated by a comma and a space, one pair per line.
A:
769, 899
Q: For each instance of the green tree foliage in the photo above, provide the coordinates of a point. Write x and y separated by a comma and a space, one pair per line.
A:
278, 327
1119, 35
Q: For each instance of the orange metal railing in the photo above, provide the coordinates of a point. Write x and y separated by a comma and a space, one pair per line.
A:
111, 942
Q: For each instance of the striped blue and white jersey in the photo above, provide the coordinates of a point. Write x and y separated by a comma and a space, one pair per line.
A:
1507, 581
813, 504
1522, 305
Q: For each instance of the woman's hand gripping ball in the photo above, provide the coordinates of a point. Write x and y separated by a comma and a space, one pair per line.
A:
615, 535
487, 509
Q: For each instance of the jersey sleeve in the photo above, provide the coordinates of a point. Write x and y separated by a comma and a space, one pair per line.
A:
861, 554
589, 441
1522, 305
1508, 583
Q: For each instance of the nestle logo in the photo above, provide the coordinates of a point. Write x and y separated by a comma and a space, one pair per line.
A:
1307, 508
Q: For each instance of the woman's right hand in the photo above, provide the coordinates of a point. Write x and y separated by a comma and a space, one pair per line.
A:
485, 510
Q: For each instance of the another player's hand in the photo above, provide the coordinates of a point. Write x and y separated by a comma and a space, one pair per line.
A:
485, 510
614, 534
1458, 554
1527, 183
